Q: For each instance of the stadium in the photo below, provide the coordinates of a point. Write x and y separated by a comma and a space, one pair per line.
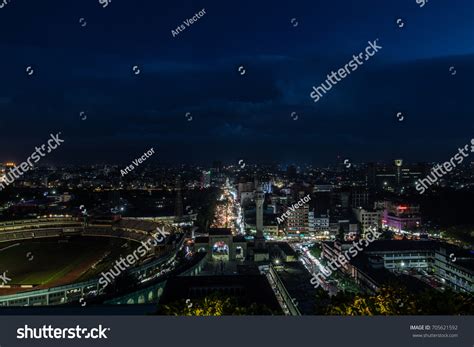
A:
57, 260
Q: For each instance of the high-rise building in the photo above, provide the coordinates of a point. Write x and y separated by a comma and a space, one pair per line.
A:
321, 202
245, 192
398, 166
359, 198
401, 216
259, 199
368, 219
298, 220
321, 222
340, 200
206, 179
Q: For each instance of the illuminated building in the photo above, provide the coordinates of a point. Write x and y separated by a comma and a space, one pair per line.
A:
401, 217
298, 220
220, 244
3, 171
267, 187
368, 218
321, 222
395, 255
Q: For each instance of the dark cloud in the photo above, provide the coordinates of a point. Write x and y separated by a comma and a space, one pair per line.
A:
90, 69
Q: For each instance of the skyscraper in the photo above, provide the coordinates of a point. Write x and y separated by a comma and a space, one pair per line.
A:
259, 199
398, 164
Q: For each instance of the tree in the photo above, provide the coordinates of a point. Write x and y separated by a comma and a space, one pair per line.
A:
396, 300
434, 302
322, 301
213, 305
388, 301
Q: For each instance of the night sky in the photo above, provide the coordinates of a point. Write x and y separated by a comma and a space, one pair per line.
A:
89, 68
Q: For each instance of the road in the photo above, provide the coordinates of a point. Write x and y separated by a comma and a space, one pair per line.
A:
313, 265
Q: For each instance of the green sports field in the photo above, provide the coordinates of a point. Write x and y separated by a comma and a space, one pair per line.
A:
49, 262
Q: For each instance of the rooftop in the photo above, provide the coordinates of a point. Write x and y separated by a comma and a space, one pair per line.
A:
220, 231
297, 281
402, 245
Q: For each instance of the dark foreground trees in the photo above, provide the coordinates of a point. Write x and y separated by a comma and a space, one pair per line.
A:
398, 301
213, 305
